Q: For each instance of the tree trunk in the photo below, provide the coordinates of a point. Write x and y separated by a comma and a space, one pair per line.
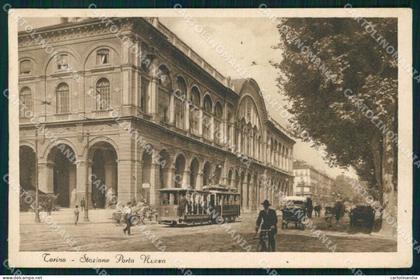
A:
389, 188
377, 152
384, 157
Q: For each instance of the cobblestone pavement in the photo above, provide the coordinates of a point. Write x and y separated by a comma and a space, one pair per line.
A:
102, 234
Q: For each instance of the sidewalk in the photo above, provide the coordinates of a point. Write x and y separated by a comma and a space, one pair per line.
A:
66, 215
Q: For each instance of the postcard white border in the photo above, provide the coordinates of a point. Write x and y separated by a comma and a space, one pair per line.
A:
401, 258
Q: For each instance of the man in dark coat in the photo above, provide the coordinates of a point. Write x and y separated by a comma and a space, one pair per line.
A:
339, 210
49, 206
82, 204
183, 203
309, 207
267, 220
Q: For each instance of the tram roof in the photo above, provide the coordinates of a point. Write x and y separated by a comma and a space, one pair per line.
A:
180, 190
220, 190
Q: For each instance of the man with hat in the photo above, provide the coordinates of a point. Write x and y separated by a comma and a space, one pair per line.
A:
267, 220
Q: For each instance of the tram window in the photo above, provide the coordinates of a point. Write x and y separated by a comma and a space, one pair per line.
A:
211, 200
165, 199
197, 198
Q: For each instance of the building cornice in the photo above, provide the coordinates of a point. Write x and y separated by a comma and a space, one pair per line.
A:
280, 130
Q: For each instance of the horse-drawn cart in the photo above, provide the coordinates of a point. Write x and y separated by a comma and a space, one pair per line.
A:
293, 211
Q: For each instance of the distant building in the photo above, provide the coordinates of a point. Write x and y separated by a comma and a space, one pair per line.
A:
311, 182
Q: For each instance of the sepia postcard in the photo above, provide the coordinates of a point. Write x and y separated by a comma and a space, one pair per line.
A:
210, 138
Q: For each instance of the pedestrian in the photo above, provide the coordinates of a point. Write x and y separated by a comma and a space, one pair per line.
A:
267, 220
49, 206
189, 204
183, 203
127, 213
76, 215
309, 207
317, 210
83, 204
339, 210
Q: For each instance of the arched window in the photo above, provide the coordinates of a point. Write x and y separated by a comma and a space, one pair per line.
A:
25, 67
180, 97
208, 104
25, 103
165, 87
103, 98
195, 111
102, 56
62, 62
229, 136
208, 108
62, 98
164, 77
255, 143
181, 87
218, 129
144, 94
276, 150
229, 179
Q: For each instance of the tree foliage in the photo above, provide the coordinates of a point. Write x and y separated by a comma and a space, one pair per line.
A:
331, 68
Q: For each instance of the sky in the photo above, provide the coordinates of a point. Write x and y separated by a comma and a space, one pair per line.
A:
248, 43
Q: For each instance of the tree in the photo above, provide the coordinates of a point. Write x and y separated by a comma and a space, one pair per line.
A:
342, 87
349, 188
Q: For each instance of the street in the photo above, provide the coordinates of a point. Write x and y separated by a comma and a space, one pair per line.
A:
103, 234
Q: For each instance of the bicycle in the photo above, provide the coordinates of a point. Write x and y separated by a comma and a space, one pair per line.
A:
264, 240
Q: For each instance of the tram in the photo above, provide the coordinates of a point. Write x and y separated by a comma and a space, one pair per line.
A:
191, 207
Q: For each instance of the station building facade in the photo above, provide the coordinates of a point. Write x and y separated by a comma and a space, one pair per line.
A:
117, 109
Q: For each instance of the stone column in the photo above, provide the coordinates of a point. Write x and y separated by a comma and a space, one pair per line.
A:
187, 111
258, 194
139, 182
186, 179
252, 194
72, 186
282, 158
153, 99
154, 184
169, 179
200, 122
239, 143
125, 180
211, 127
199, 182
110, 182
244, 194
83, 180
45, 176
171, 108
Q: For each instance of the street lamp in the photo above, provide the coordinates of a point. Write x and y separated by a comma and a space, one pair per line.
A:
37, 218
86, 213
